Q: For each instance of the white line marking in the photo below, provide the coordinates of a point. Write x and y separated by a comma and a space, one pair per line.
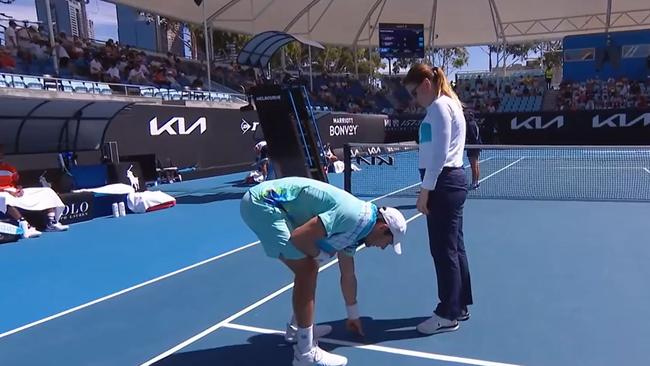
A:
229, 319
502, 169
249, 308
647, 170
121, 292
372, 347
108, 297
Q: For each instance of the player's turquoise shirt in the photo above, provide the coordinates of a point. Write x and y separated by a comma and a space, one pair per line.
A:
346, 218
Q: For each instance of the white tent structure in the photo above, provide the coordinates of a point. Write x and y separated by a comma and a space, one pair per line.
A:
447, 22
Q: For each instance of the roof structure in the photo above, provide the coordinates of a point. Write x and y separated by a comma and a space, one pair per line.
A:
447, 22
259, 50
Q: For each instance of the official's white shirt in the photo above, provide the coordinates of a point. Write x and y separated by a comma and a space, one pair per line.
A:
442, 139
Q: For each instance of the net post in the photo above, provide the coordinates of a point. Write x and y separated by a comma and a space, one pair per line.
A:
347, 171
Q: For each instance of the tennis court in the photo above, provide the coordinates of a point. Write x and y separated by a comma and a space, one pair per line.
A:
557, 279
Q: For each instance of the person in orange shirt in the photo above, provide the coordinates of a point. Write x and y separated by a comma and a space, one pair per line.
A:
31, 199
7, 62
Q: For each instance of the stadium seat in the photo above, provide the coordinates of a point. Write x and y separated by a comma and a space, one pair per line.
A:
33, 82
147, 91
103, 89
18, 82
79, 86
160, 93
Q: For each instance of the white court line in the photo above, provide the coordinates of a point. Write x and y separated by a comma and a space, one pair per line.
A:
244, 311
372, 347
502, 169
108, 297
647, 170
135, 287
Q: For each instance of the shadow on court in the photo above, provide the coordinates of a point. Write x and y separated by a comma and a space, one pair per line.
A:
207, 198
405, 207
271, 349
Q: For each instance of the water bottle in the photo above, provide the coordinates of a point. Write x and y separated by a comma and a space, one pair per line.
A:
116, 210
24, 227
122, 208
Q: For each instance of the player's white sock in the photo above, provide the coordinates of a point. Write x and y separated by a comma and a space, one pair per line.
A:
51, 218
305, 339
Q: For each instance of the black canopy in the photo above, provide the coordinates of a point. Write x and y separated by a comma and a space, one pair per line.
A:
36, 125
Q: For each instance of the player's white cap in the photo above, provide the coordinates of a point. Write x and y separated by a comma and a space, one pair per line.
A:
397, 225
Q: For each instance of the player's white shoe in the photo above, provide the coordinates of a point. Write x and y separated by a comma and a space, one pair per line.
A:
292, 331
31, 232
317, 357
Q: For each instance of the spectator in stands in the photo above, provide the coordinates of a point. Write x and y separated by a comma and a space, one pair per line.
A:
160, 77
11, 41
197, 83
138, 74
548, 75
96, 68
62, 55
29, 199
7, 62
601, 94
112, 75
43, 32
171, 74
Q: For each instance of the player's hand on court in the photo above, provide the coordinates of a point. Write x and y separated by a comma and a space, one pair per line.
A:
423, 200
354, 326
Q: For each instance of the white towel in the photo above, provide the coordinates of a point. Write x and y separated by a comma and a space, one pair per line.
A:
118, 188
140, 202
35, 199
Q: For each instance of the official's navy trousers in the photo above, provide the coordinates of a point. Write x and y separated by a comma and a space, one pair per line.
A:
445, 225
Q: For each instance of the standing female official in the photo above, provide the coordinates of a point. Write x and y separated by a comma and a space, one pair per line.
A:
443, 193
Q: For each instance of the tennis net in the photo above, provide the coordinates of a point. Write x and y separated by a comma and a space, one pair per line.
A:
589, 173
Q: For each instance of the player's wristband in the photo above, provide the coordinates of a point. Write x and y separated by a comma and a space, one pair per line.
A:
353, 311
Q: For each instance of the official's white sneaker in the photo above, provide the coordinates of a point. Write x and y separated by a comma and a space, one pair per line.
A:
437, 324
317, 357
292, 331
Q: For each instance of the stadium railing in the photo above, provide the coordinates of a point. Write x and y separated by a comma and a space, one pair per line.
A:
50, 83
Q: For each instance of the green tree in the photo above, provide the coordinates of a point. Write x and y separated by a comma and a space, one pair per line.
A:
451, 59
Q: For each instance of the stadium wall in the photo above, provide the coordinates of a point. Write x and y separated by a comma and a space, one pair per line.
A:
591, 57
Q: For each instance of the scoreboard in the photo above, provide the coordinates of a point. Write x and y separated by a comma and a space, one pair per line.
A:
401, 40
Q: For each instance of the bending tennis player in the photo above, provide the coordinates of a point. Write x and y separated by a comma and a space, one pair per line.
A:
304, 222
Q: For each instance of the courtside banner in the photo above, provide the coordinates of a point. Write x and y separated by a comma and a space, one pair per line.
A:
601, 127
205, 138
339, 128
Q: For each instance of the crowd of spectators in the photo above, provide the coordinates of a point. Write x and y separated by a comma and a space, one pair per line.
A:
603, 94
27, 50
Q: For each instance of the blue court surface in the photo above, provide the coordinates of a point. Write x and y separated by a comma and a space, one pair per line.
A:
555, 282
